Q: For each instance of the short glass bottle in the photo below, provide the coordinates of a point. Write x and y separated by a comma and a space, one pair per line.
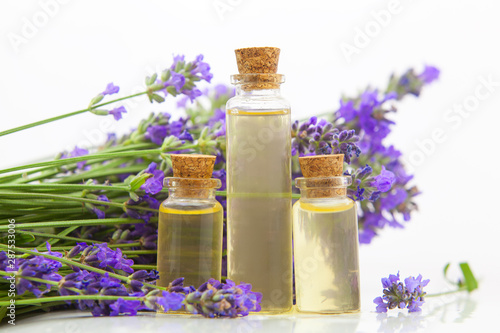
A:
325, 236
190, 232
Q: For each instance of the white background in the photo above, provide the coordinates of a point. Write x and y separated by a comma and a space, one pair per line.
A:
71, 56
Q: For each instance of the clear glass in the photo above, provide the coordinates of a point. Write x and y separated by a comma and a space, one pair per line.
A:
190, 232
258, 157
325, 235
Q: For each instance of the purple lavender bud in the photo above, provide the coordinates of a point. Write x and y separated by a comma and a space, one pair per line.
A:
193, 296
303, 127
327, 127
177, 289
139, 275
203, 287
178, 282
343, 135
74, 251
328, 136
91, 258
136, 285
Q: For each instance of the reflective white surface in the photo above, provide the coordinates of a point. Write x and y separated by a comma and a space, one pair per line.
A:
456, 313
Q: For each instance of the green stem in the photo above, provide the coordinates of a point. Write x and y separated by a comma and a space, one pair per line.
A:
139, 252
67, 115
32, 301
111, 246
447, 292
81, 223
41, 234
77, 264
68, 198
144, 267
68, 187
63, 233
38, 307
101, 157
30, 278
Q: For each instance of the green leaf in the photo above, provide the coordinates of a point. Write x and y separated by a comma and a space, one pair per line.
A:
470, 280
20, 239
3, 312
138, 181
445, 270
158, 98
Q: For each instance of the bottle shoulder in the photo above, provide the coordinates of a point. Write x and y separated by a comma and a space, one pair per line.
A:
189, 206
325, 204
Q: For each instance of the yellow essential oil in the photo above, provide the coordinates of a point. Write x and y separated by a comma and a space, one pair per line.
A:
259, 204
191, 245
325, 238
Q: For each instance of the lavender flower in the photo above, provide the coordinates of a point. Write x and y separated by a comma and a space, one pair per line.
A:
429, 74
101, 256
154, 184
314, 137
201, 68
214, 299
76, 153
38, 267
384, 181
117, 112
396, 294
110, 89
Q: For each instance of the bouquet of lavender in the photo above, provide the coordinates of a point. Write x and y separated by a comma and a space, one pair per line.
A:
94, 209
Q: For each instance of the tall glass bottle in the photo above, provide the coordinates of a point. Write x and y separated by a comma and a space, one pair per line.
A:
190, 223
325, 235
259, 180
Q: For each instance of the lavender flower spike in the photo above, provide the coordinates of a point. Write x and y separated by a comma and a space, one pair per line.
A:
399, 295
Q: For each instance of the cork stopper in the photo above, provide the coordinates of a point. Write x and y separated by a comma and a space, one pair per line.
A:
258, 67
319, 171
257, 60
192, 165
192, 174
322, 165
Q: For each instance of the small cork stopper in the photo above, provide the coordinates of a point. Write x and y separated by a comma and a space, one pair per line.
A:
257, 60
192, 165
323, 166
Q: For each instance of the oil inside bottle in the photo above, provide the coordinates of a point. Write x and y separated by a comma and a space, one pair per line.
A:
326, 256
259, 204
191, 244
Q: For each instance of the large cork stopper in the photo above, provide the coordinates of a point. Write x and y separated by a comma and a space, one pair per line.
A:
194, 172
262, 63
257, 60
323, 166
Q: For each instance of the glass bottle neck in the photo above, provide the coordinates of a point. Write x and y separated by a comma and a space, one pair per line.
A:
243, 91
323, 193
201, 194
